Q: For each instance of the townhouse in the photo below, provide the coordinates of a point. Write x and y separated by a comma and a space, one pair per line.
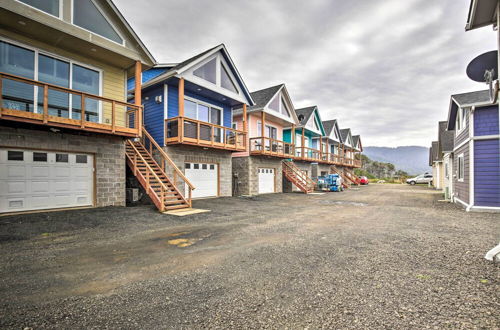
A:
64, 115
188, 121
259, 169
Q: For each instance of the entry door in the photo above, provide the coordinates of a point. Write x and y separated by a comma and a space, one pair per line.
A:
266, 180
204, 177
36, 180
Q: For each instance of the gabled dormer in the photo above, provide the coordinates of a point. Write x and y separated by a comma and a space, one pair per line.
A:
347, 137
356, 139
332, 130
211, 74
310, 119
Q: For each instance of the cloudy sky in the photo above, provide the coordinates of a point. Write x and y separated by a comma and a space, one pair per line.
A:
383, 68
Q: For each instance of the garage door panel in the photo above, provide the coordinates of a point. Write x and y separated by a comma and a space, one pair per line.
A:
40, 186
204, 177
266, 180
51, 182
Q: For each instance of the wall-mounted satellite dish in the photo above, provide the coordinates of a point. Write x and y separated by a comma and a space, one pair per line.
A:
484, 62
484, 68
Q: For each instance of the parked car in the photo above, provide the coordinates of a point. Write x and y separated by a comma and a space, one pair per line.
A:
422, 178
363, 180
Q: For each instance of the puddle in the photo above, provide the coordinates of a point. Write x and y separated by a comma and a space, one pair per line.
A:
183, 240
343, 203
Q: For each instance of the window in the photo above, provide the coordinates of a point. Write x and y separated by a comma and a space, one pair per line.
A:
284, 108
196, 166
203, 112
21, 61
61, 158
225, 80
188, 166
40, 157
208, 71
15, 155
461, 120
278, 104
271, 132
88, 16
446, 170
275, 104
49, 6
460, 166
203, 166
81, 159
212, 166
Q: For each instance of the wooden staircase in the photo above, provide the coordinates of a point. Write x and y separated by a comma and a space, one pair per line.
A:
352, 177
152, 176
298, 177
345, 181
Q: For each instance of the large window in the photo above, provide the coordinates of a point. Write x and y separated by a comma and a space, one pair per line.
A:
22, 62
278, 104
49, 6
216, 72
88, 16
206, 113
208, 71
461, 166
461, 121
225, 80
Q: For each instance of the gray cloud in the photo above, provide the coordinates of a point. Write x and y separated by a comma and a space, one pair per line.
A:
385, 69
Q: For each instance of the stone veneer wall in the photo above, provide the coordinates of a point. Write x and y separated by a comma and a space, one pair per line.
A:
182, 154
108, 150
316, 170
247, 169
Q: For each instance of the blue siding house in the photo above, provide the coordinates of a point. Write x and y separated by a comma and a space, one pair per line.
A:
188, 110
476, 155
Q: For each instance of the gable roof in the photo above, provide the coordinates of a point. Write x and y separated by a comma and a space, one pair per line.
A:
131, 31
446, 138
303, 114
344, 133
464, 100
263, 97
329, 126
356, 139
435, 153
430, 155
190, 62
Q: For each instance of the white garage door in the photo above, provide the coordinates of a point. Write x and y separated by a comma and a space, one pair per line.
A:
36, 180
266, 180
204, 177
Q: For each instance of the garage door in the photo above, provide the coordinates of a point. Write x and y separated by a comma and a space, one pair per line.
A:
36, 180
266, 180
204, 177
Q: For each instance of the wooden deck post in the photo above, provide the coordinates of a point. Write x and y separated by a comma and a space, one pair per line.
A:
138, 95
263, 130
327, 150
293, 140
303, 141
1, 96
46, 104
245, 127
246, 136
181, 109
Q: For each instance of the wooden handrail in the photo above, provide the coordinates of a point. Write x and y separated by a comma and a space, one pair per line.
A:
165, 156
206, 123
65, 89
300, 173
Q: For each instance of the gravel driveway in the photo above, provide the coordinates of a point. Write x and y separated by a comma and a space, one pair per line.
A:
382, 256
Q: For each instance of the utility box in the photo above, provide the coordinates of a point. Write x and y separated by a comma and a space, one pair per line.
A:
132, 195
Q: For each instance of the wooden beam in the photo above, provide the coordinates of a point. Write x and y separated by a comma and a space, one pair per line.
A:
263, 124
303, 141
245, 117
46, 104
293, 141
138, 95
181, 110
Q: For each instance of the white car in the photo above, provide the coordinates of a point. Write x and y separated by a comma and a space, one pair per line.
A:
422, 178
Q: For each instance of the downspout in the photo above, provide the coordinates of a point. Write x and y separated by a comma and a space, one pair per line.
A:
471, 159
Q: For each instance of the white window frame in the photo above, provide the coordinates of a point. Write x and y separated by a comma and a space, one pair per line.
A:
38, 51
192, 99
259, 123
460, 171
60, 9
460, 120
107, 19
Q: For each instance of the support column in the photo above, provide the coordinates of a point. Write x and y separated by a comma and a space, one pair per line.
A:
138, 94
303, 141
245, 128
180, 122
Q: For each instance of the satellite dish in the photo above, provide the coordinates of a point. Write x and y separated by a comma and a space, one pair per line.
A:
480, 68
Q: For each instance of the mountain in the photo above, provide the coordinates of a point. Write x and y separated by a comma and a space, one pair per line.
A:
411, 159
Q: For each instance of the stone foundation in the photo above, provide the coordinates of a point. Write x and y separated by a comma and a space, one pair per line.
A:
246, 173
318, 169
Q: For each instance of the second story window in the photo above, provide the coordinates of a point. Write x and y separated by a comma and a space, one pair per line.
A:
88, 16
49, 6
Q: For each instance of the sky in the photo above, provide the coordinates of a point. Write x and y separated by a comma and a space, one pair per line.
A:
385, 69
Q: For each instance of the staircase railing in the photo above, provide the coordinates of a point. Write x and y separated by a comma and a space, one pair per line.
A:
148, 177
149, 143
308, 183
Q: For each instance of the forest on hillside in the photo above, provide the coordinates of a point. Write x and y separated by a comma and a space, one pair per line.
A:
379, 170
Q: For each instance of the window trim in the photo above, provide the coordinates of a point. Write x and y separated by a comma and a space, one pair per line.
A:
460, 120
107, 19
460, 174
192, 99
37, 51
60, 9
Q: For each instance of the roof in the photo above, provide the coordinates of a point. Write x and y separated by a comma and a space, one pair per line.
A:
264, 96
305, 113
464, 100
481, 13
185, 65
435, 151
344, 133
472, 98
430, 156
355, 140
329, 125
132, 32
446, 138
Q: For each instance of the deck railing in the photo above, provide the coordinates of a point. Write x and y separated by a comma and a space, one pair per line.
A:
31, 101
271, 147
196, 132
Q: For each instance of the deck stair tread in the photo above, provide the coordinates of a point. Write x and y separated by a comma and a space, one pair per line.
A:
298, 177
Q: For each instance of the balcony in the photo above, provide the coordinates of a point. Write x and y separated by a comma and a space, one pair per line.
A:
182, 130
29, 101
271, 147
